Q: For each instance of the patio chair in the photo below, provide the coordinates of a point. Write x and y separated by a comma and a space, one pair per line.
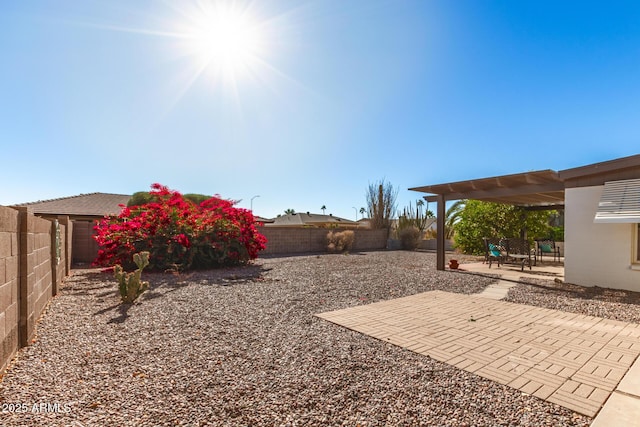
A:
518, 252
547, 247
494, 250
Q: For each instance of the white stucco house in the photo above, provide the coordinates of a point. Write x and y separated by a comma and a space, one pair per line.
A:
602, 220
601, 205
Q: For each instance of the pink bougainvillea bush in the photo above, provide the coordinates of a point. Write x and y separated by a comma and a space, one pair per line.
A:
179, 234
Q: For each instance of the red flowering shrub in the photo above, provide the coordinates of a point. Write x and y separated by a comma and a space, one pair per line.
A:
179, 234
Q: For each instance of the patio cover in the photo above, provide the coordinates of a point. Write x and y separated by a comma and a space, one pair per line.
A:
538, 188
534, 190
544, 190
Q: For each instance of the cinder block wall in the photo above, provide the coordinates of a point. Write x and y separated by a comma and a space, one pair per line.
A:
284, 240
30, 272
35, 271
9, 284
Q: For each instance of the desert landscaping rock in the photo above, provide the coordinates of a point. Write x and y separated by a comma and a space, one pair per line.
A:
614, 304
242, 347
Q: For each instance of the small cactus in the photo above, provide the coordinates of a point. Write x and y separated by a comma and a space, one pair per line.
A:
130, 284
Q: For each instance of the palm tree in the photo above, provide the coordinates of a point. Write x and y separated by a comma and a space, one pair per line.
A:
289, 212
452, 217
323, 208
362, 212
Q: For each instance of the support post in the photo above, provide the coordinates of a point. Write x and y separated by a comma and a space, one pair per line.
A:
441, 232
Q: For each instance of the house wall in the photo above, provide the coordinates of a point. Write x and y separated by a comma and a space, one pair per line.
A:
30, 273
596, 254
284, 240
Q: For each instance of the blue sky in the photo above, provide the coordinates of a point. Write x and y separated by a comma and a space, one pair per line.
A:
330, 96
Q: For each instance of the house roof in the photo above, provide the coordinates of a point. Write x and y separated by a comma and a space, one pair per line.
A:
92, 204
263, 220
599, 173
299, 219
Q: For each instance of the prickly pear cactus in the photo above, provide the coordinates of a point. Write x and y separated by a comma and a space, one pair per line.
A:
129, 284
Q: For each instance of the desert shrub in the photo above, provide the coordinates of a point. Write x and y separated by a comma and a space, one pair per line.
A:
409, 237
416, 217
340, 241
430, 234
179, 234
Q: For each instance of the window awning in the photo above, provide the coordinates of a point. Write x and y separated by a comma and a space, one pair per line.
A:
620, 202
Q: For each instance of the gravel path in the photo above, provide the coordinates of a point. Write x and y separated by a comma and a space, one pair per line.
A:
241, 347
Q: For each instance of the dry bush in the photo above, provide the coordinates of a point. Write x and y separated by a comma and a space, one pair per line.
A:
340, 241
409, 238
431, 234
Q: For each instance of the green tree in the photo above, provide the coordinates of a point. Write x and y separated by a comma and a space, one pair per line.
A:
323, 208
482, 219
362, 212
144, 197
197, 198
289, 211
140, 198
429, 213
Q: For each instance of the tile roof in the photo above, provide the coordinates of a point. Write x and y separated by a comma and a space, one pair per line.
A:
92, 204
301, 218
263, 220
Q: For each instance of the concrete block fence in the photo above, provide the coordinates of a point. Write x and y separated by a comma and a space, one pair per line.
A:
34, 259
288, 240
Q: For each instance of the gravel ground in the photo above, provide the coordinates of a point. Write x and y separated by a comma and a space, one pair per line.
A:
593, 301
241, 347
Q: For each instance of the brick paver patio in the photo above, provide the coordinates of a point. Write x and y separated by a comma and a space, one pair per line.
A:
569, 359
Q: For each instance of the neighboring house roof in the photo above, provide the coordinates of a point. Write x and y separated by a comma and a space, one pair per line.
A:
263, 220
310, 219
364, 222
92, 204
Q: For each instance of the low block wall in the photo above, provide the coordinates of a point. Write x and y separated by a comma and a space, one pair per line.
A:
33, 263
425, 244
287, 240
431, 244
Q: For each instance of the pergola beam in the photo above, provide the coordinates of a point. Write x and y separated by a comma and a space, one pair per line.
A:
538, 193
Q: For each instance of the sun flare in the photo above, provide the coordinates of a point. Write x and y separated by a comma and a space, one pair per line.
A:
225, 38
227, 46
